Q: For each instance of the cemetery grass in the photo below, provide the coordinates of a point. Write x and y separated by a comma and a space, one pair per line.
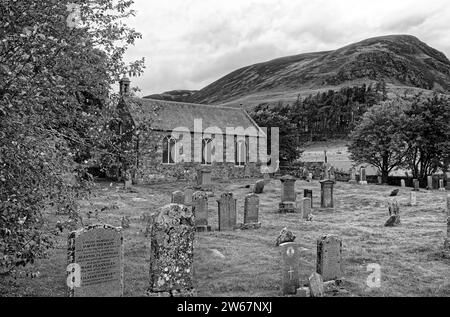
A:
247, 263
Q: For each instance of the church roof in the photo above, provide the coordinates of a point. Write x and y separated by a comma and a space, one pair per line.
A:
168, 115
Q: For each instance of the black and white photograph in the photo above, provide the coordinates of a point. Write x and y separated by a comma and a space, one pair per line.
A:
221, 156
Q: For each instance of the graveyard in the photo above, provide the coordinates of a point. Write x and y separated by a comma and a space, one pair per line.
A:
246, 263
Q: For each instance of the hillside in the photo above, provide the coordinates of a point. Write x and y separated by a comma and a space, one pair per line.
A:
174, 95
403, 61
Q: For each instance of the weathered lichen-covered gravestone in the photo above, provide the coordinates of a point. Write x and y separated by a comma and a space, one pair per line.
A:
227, 212
290, 259
251, 212
306, 209
363, 176
188, 192
329, 257
316, 287
177, 197
200, 211
288, 196
172, 252
259, 187
394, 215
95, 262
327, 199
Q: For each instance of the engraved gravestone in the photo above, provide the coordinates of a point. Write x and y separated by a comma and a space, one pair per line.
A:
178, 197
227, 212
307, 193
290, 258
363, 176
251, 209
327, 199
288, 196
95, 262
172, 251
329, 257
200, 211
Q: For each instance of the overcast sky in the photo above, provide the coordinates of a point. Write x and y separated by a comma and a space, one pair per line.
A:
189, 44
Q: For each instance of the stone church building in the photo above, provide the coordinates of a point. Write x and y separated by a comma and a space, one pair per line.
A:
187, 137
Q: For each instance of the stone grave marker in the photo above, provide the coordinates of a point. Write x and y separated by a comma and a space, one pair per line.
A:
429, 182
394, 215
204, 179
200, 211
127, 184
379, 180
251, 212
227, 212
178, 197
172, 252
310, 177
306, 208
95, 262
259, 187
329, 257
266, 178
290, 258
447, 240
316, 288
332, 173
188, 192
288, 196
307, 193
403, 183
363, 176
441, 185
352, 177
416, 185
413, 199
327, 199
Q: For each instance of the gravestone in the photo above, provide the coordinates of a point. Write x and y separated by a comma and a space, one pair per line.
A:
394, 215
247, 171
379, 180
441, 185
403, 184
306, 208
95, 262
285, 236
310, 177
416, 185
172, 252
125, 222
177, 197
127, 184
363, 176
332, 173
188, 192
259, 187
307, 193
327, 199
204, 179
429, 182
251, 212
329, 257
352, 177
227, 212
288, 196
200, 211
290, 261
266, 178
316, 287
413, 199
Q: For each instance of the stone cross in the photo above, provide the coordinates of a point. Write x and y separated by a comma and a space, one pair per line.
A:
200, 211
327, 199
172, 251
290, 268
363, 176
95, 262
227, 212
329, 257
178, 197
288, 195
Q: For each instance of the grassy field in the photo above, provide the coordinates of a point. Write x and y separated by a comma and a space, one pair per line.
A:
247, 263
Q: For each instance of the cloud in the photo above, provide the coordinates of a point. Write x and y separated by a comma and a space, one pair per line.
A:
191, 43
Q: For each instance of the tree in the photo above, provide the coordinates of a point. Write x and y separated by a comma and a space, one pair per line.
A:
379, 139
57, 62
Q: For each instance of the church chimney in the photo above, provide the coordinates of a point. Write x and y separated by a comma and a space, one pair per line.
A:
124, 85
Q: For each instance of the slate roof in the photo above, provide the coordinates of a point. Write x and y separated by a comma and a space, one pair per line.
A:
168, 115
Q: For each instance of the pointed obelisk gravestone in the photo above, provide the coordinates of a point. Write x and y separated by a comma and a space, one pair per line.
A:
95, 262
307, 193
178, 197
413, 199
251, 212
352, 177
327, 199
363, 176
416, 185
290, 261
329, 258
403, 183
172, 252
288, 196
188, 192
306, 208
227, 212
200, 211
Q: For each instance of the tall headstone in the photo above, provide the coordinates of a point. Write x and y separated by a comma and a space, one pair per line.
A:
95, 262
413, 199
329, 257
306, 208
307, 193
363, 176
188, 192
352, 177
327, 199
416, 185
178, 197
227, 212
200, 211
290, 261
251, 212
429, 182
172, 252
288, 195
403, 183
441, 185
